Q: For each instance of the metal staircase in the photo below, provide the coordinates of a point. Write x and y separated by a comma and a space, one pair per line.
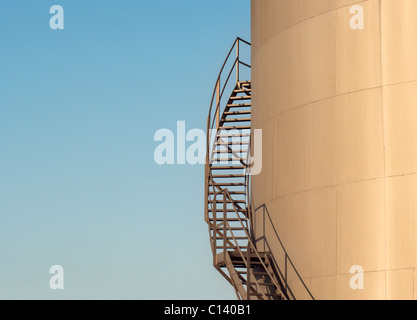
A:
228, 211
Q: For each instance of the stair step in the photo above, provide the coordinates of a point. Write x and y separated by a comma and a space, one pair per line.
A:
242, 264
266, 284
221, 176
231, 184
227, 159
242, 135
233, 192
232, 143
231, 238
242, 90
220, 210
241, 247
237, 98
238, 260
234, 155
230, 151
237, 120
276, 295
240, 105
230, 219
235, 128
231, 113
220, 228
221, 201
231, 148
233, 229
229, 168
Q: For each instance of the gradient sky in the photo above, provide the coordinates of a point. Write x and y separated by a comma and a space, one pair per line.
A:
78, 111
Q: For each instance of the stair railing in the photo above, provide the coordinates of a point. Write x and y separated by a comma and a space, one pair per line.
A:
288, 263
221, 229
251, 247
213, 119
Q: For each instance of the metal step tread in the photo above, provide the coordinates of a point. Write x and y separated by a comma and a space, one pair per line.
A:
231, 113
242, 90
239, 105
234, 201
230, 219
227, 210
232, 143
241, 135
227, 159
230, 151
237, 120
223, 176
229, 168
236, 98
246, 127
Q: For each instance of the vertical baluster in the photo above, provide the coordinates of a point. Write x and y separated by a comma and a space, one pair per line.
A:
224, 224
237, 60
214, 206
218, 104
248, 272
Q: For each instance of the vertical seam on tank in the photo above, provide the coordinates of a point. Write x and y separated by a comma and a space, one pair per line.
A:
262, 22
337, 229
383, 142
412, 216
274, 157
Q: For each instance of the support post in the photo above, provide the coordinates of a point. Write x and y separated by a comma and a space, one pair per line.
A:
218, 104
237, 61
224, 225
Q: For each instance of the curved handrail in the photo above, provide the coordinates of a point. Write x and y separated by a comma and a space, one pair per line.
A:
217, 92
218, 95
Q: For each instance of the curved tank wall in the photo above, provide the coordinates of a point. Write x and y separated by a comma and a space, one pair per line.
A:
338, 109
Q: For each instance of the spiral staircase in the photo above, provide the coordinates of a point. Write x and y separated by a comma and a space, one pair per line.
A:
228, 212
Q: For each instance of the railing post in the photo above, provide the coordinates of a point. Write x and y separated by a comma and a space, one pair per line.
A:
224, 225
248, 269
218, 104
214, 208
286, 272
237, 61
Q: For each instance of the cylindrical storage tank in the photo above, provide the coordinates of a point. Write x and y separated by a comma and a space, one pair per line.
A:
337, 104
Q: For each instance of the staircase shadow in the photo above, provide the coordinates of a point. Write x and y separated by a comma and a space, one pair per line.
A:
288, 269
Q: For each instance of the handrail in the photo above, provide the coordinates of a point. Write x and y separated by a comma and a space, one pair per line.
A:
226, 194
287, 257
218, 94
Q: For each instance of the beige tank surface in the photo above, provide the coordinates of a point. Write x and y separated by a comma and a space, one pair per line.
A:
338, 109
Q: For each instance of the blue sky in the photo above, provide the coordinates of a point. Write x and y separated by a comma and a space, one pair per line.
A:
78, 111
